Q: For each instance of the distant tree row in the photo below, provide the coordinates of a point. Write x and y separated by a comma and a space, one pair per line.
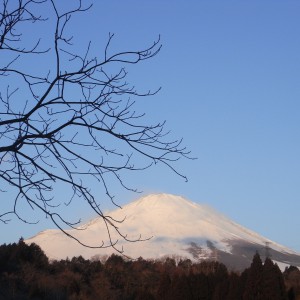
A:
26, 273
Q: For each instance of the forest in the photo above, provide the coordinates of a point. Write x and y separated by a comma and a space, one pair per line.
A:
27, 273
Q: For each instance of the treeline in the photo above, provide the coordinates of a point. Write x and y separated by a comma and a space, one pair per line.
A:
26, 273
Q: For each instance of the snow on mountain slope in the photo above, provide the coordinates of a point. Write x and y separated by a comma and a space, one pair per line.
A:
177, 227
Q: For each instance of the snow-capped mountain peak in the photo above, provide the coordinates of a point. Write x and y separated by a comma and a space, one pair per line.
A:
177, 226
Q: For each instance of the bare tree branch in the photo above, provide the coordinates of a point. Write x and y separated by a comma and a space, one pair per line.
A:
58, 137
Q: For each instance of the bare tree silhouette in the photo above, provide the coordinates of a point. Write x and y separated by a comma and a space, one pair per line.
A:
72, 122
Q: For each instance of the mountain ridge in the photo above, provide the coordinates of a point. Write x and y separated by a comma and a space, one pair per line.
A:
177, 226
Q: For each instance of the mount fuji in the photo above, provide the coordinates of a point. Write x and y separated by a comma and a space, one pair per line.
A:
176, 227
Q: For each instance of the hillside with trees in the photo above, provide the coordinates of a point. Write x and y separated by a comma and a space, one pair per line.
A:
27, 273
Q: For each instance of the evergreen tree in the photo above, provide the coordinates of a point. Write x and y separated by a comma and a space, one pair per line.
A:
273, 284
254, 285
292, 282
235, 289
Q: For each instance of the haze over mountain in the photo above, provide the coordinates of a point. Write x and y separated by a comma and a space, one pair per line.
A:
178, 227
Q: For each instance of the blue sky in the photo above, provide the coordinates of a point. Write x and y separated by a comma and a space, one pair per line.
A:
230, 78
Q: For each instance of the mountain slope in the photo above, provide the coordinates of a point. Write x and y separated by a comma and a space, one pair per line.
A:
177, 226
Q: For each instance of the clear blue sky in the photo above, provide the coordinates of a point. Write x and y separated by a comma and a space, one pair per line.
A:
230, 78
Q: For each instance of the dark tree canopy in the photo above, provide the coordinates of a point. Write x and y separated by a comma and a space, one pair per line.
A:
26, 273
70, 122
